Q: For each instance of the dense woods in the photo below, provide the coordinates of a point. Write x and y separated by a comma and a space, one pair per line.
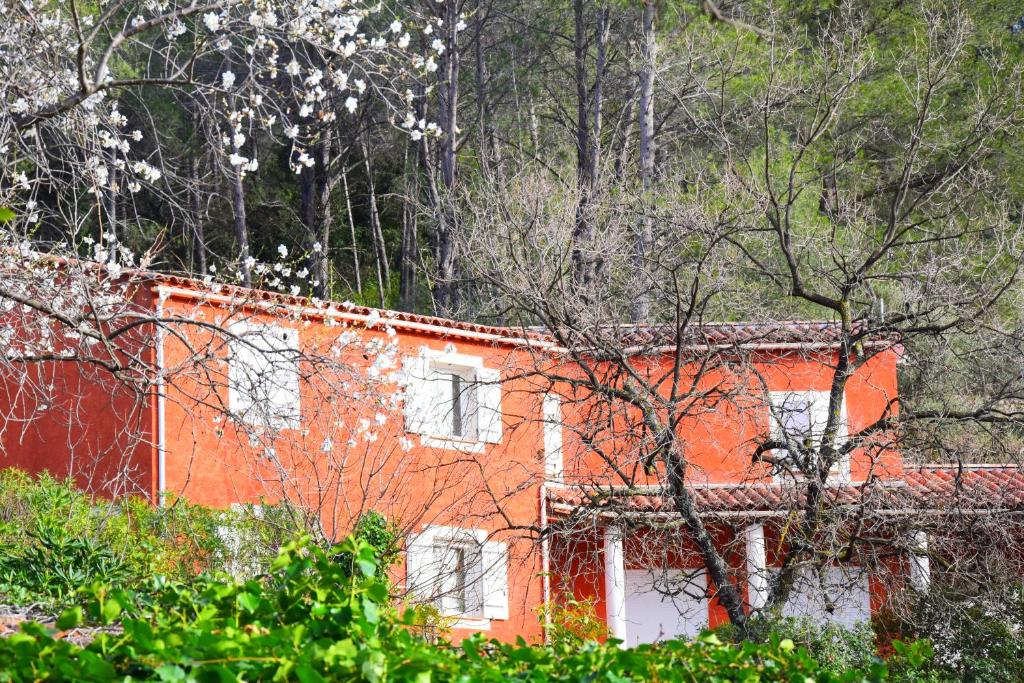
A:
662, 108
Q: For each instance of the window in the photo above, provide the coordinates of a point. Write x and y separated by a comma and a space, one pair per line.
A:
456, 406
455, 588
800, 417
553, 463
461, 572
263, 375
451, 400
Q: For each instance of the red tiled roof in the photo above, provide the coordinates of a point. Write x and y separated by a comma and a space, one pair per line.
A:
245, 294
749, 334
737, 333
968, 486
922, 488
712, 334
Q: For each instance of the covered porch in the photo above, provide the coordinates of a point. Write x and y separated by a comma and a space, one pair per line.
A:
625, 553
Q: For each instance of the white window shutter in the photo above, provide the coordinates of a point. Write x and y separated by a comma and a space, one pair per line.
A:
263, 374
420, 567
489, 405
553, 465
494, 557
419, 395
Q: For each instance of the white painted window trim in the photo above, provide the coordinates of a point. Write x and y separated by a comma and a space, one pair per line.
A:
841, 471
433, 535
553, 421
487, 399
235, 398
453, 444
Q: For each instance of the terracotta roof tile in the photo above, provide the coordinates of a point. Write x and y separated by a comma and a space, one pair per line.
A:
931, 487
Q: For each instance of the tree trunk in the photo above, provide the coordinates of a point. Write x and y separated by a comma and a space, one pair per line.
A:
239, 223
197, 237
447, 289
645, 229
727, 593
112, 235
409, 247
315, 185
586, 153
352, 230
380, 253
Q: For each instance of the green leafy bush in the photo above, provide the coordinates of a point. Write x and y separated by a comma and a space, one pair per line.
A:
383, 537
571, 622
837, 648
971, 639
54, 538
312, 620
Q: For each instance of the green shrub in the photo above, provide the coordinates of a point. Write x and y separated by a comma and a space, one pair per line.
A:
381, 535
571, 622
54, 538
312, 620
837, 648
971, 640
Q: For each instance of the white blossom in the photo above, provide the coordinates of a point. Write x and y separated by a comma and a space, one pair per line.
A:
212, 21
351, 104
228, 79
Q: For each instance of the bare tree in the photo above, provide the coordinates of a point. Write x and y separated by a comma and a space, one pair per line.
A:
900, 267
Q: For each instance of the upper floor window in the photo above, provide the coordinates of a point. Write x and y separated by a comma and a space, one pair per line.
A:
452, 400
460, 572
553, 460
799, 418
263, 375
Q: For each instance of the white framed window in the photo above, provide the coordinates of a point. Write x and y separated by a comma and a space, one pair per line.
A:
800, 418
263, 375
553, 460
452, 400
461, 572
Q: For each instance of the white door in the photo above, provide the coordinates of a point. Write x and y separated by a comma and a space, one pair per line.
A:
665, 604
847, 591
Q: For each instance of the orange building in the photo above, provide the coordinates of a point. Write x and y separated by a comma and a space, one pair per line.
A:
486, 457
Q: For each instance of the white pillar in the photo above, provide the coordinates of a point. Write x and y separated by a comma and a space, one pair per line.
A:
757, 566
920, 567
615, 582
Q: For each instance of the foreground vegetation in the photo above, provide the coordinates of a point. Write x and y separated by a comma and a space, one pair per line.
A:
314, 619
150, 590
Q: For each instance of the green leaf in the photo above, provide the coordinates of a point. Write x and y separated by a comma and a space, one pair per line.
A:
70, 619
6, 214
170, 672
111, 610
306, 674
248, 602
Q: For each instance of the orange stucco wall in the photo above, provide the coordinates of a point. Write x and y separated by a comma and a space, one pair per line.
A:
350, 451
76, 418
209, 460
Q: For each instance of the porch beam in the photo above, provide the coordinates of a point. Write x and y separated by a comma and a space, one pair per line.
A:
615, 582
757, 567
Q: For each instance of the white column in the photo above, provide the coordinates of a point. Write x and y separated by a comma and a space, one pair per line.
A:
920, 567
615, 582
757, 566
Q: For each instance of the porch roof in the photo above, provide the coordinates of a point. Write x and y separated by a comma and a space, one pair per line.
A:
923, 488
